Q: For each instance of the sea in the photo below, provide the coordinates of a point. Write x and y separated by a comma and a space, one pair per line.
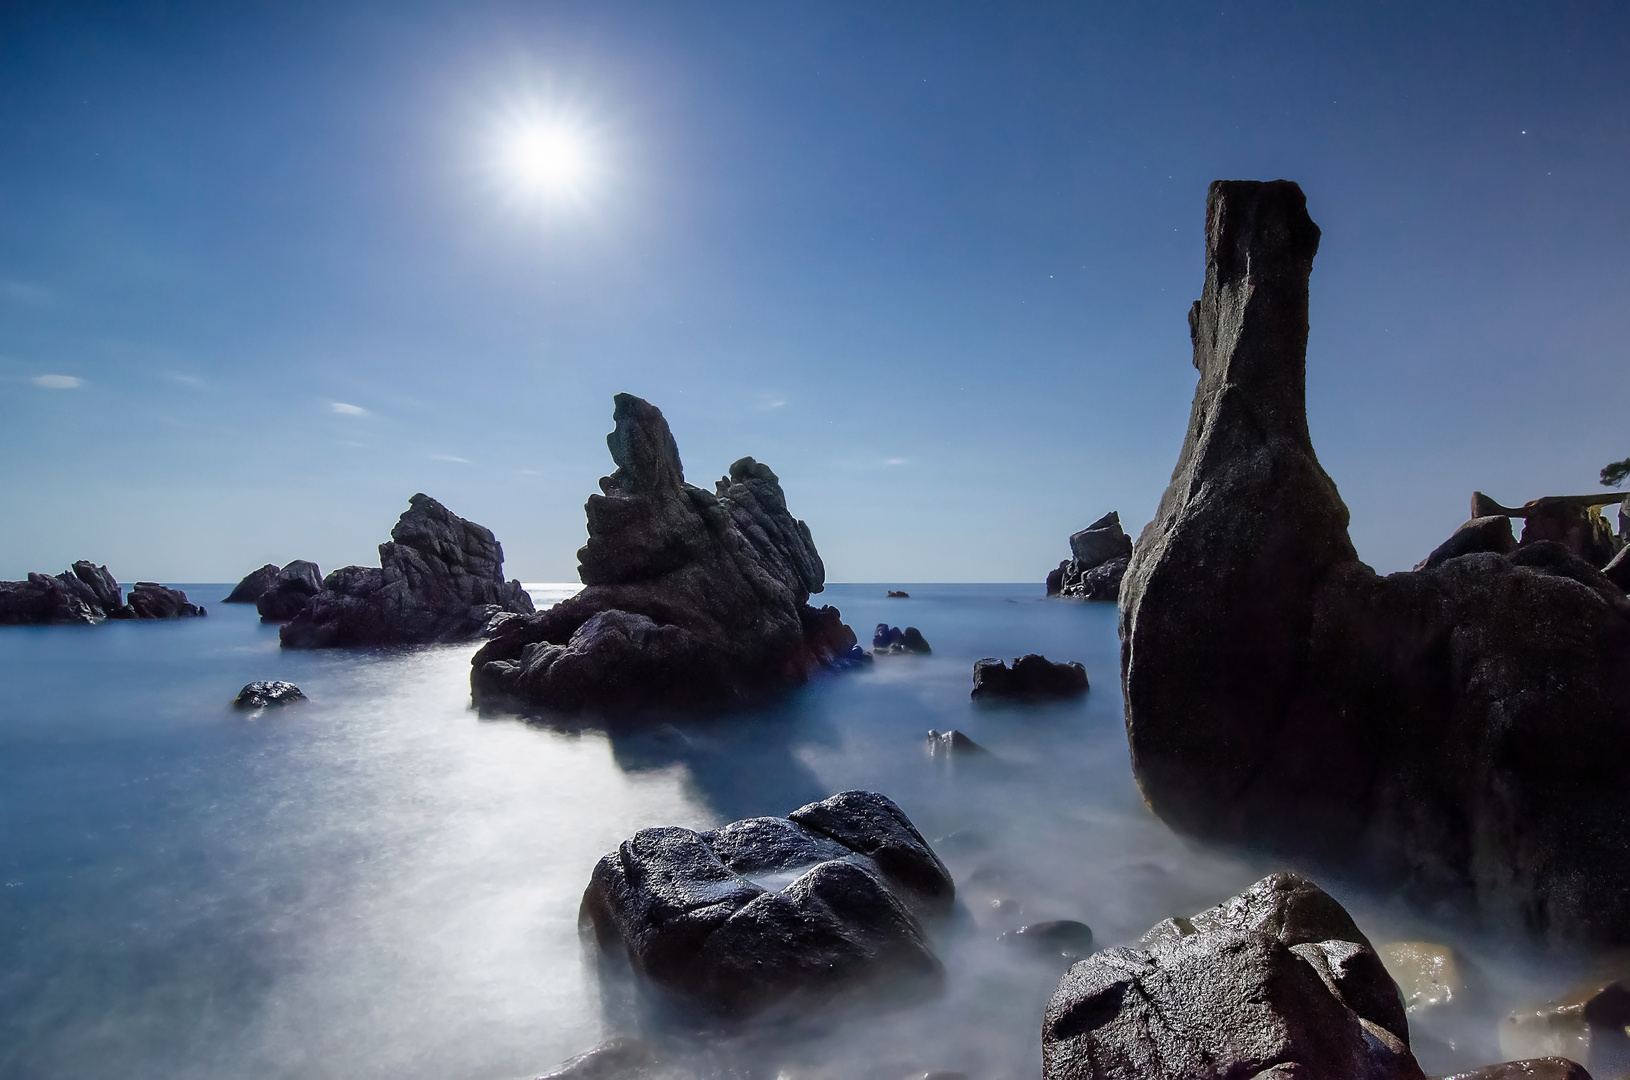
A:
384, 882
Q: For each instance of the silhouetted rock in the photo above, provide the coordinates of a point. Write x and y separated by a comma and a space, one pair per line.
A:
253, 586
1064, 938
735, 920
1477, 535
1459, 730
691, 597
288, 593
440, 578
150, 600
1031, 676
1099, 554
1274, 983
946, 744
892, 640
259, 695
899, 594
1618, 569
43, 600
1581, 529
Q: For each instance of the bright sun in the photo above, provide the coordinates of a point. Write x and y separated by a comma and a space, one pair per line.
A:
547, 159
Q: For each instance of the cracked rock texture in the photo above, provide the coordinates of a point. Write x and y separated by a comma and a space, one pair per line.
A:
1458, 730
1097, 563
691, 597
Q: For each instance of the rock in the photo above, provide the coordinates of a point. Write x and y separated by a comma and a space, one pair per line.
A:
1032, 676
1057, 938
1458, 731
1545, 1068
1099, 554
1581, 529
947, 744
1427, 974
440, 579
96, 587
692, 598
1100, 542
897, 594
891, 640
254, 585
619, 1058
1253, 987
1587, 1026
732, 921
259, 695
150, 600
1479, 534
42, 600
287, 595
1618, 569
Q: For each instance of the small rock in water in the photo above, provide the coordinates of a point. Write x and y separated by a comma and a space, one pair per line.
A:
1546, 1068
899, 594
944, 744
892, 641
1058, 937
1032, 676
258, 695
1426, 973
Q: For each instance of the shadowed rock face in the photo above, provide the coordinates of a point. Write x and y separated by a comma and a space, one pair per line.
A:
253, 586
87, 594
691, 597
1460, 729
288, 591
440, 578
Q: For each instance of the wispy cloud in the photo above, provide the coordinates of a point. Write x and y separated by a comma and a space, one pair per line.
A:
58, 382
448, 457
347, 410
184, 380
766, 402
21, 292
897, 461
528, 472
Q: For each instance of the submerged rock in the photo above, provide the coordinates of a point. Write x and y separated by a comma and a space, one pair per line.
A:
1064, 938
691, 597
891, 640
259, 695
1098, 558
946, 744
732, 921
286, 595
150, 600
253, 586
440, 578
1276, 982
1544, 1068
1032, 676
1459, 730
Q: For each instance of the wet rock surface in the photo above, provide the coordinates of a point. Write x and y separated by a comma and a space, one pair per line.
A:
1277, 981
1098, 558
1063, 938
732, 921
288, 592
260, 695
1587, 1025
691, 597
1545, 1068
1458, 730
1032, 677
253, 586
440, 579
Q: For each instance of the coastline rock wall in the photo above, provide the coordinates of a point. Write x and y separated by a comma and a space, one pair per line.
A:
1459, 729
691, 597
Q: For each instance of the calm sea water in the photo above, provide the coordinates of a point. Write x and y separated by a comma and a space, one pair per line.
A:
383, 883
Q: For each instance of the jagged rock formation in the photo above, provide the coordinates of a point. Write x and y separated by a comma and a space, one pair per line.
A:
1276, 982
1032, 677
1574, 521
253, 586
1459, 729
87, 594
732, 921
691, 597
440, 578
287, 594
1098, 558
891, 640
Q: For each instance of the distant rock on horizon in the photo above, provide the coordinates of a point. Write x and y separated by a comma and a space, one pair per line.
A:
84, 595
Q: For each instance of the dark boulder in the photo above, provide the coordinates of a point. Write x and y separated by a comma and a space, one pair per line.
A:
1099, 554
288, 593
253, 586
948, 744
1032, 676
1544, 1068
1057, 938
1101, 541
1457, 730
1477, 535
150, 600
732, 921
1276, 982
899, 594
1618, 569
259, 695
1581, 529
692, 597
440, 579
892, 640
96, 587
43, 600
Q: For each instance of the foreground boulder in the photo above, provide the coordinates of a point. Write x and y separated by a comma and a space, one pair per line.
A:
1032, 677
1459, 730
253, 586
1276, 982
732, 921
1097, 563
691, 597
287, 594
440, 578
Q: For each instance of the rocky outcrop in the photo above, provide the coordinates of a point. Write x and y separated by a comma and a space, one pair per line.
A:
150, 600
1098, 558
1276, 982
1574, 521
253, 586
440, 578
690, 597
1459, 730
891, 640
1492, 533
260, 695
287, 594
1032, 677
732, 921
87, 594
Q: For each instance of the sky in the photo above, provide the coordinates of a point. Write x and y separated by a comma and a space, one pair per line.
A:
268, 269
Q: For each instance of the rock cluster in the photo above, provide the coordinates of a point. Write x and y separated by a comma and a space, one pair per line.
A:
87, 594
1098, 558
1459, 729
691, 597
440, 579
892, 641
731, 921
1032, 676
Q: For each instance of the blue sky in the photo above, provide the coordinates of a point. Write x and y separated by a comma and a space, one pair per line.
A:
931, 262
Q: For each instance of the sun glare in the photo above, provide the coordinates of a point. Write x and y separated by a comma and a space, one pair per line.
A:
547, 160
